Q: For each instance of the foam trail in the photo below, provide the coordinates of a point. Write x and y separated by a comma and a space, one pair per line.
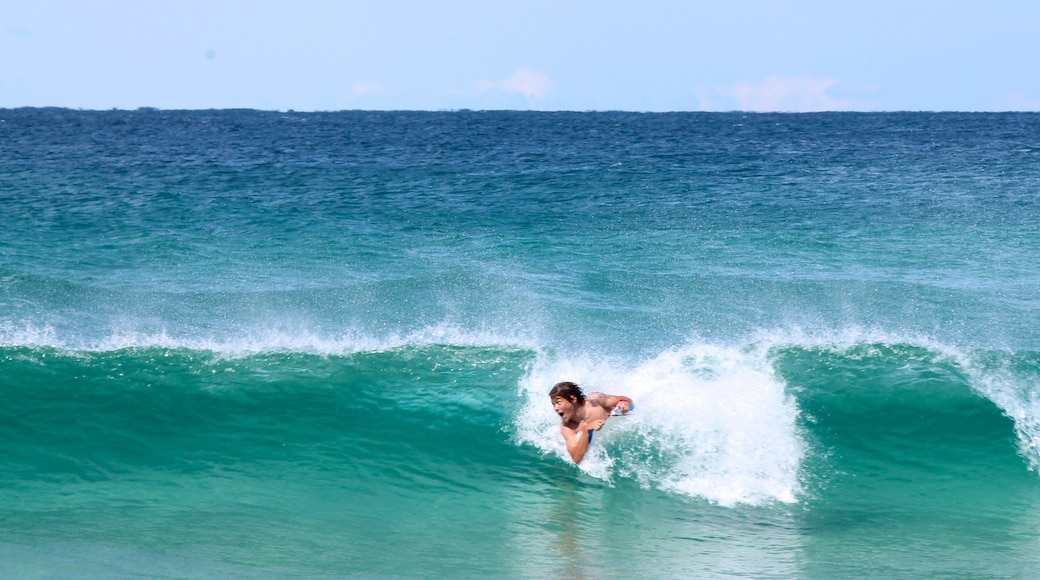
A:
711, 422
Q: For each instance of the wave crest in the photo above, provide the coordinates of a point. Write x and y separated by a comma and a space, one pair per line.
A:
711, 422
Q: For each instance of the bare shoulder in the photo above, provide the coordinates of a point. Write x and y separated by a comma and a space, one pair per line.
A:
597, 398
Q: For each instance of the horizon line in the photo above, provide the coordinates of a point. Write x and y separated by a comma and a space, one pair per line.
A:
469, 110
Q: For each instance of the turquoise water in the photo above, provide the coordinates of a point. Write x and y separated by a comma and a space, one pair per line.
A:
255, 344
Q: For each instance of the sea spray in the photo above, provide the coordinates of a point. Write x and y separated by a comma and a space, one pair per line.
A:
712, 422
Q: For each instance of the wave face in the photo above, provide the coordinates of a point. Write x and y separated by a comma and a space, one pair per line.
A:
239, 343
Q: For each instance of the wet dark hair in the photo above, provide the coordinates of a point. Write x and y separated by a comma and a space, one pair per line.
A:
568, 390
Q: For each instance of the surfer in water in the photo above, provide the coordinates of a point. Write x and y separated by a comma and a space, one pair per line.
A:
583, 414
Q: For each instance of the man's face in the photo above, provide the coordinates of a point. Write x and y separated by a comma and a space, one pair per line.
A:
563, 407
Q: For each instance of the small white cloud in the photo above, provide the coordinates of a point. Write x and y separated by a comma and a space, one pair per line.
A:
528, 82
365, 88
801, 94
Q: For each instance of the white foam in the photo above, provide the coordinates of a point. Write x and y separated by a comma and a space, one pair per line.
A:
711, 421
274, 338
26, 334
846, 338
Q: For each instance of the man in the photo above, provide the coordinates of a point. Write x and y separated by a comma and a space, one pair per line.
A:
583, 415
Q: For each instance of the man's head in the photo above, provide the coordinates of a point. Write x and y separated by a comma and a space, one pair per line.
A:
567, 390
566, 398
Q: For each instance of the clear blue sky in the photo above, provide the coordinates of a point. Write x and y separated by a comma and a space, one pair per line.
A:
647, 55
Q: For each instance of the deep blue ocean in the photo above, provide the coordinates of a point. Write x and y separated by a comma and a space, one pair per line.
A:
253, 344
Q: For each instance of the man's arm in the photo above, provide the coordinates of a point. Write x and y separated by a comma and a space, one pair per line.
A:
611, 402
577, 440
